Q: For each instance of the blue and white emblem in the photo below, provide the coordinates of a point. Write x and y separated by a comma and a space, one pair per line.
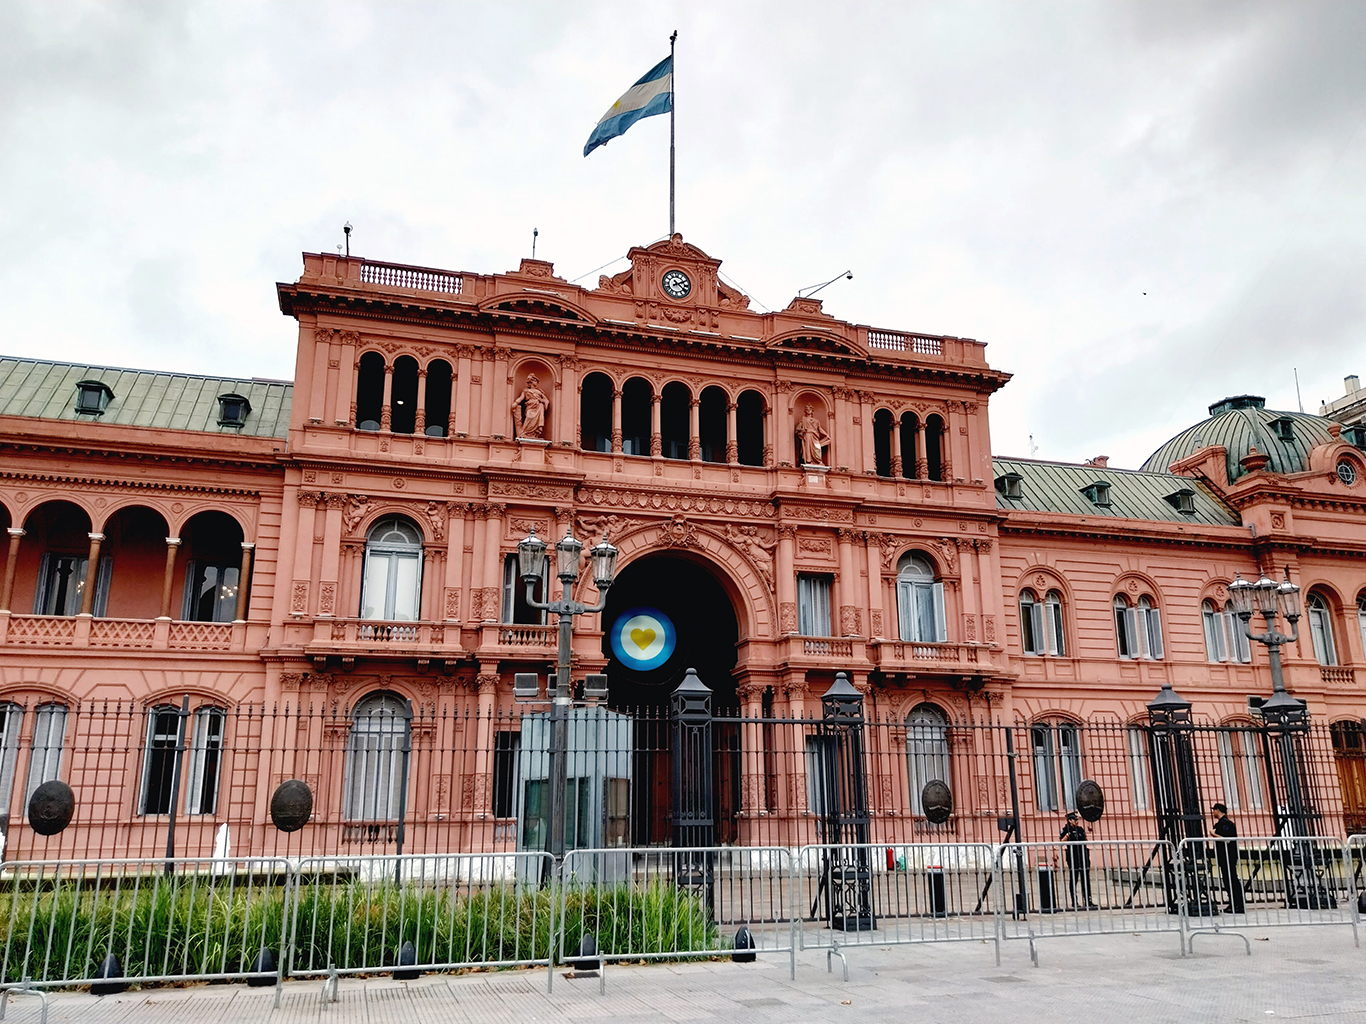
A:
643, 638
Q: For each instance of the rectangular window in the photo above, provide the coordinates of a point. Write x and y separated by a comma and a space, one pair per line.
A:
813, 605
1153, 632
1031, 627
210, 592
1045, 770
61, 585
1228, 769
818, 775
374, 769
617, 813
1126, 630
507, 746
163, 725
1215, 648
516, 610
1252, 768
206, 755
1056, 644
1069, 754
11, 722
1240, 645
45, 759
920, 611
1138, 767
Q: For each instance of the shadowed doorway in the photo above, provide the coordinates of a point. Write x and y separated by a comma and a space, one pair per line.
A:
706, 631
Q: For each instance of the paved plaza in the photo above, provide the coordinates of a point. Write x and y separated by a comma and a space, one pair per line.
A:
1292, 974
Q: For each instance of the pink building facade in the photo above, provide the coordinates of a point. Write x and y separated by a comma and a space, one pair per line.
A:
266, 574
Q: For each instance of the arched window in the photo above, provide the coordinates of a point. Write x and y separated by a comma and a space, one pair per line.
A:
636, 413
1240, 766
403, 396
369, 391
674, 419
910, 429
919, 601
749, 428
1149, 628
1138, 628
595, 413
375, 769
1057, 765
1041, 629
882, 442
437, 401
391, 587
934, 447
927, 751
711, 423
1321, 630
158, 761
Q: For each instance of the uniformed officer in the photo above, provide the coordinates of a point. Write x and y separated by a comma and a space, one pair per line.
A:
1226, 856
1078, 860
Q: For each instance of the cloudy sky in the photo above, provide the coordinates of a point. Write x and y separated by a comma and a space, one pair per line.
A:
1141, 208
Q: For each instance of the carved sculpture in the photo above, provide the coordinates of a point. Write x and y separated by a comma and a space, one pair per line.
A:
746, 539
812, 438
529, 409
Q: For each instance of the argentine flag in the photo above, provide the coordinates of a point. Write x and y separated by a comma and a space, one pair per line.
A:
653, 94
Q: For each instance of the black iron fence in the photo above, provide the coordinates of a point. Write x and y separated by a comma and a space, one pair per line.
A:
389, 776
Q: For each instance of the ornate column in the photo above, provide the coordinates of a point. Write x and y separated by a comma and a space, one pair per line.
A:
732, 438
243, 581
429, 583
493, 570
768, 434
896, 445
421, 423
616, 421
11, 564
346, 379
486, 684
751, 694
455, 559
656, 442
384, 413
92, 573
973, 469
787, 579
970, 591
784, 438
922, 463
502, 387
873, 543
867, 453
330, 574
460, 400
951, 435
694, 441
851, 623
168, 578
306, 524
567, 411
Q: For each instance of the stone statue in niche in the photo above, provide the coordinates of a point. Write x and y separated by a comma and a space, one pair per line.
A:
812, 439
529, 409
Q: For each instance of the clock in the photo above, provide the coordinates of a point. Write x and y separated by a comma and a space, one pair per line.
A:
676, 284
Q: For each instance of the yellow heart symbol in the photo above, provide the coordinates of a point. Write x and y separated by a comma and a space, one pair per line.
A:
643, 638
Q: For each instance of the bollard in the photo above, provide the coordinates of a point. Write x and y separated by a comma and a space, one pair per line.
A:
934, 883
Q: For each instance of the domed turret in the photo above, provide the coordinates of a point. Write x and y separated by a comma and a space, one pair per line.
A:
1242, 423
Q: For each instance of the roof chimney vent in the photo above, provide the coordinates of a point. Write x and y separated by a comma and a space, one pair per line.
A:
1100, 460
1353, 384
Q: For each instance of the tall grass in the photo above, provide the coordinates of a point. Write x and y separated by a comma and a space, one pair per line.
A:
201, 926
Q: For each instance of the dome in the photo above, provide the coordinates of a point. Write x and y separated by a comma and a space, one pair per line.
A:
1240, 423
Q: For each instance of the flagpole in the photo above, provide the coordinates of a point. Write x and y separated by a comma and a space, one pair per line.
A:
672, 67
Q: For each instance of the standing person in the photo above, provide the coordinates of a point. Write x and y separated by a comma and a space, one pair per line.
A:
1226, 855
1078, 860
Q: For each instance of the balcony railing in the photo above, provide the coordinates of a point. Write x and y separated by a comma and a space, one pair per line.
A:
827, 647
86, 632
1337, 675
528, 636
894, 341
381, 634
906, 654
418, 279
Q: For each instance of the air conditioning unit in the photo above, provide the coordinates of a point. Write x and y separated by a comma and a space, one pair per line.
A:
1254, 705
595, 686
526, 685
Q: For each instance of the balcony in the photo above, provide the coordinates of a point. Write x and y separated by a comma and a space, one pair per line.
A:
913, 657
378, 638
1337, 675
82, 632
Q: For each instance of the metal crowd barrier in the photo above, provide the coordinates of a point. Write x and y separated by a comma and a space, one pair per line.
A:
879, 895
675, 903
1103, 886
356, 915
1227, 885
161, 920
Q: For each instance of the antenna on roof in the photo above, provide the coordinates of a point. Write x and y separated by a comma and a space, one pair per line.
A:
811, 290
1298, 399
1032, 446
347, 229
534, 233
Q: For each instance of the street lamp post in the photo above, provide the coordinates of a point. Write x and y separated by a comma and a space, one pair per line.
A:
1287, 717
531, 556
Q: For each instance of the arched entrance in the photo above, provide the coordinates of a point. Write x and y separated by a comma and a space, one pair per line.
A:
688, 594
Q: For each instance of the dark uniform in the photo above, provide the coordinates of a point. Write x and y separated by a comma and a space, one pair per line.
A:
1078, 861
1226, 856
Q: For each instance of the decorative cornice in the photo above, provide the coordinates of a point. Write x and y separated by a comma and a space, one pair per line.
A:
135, 485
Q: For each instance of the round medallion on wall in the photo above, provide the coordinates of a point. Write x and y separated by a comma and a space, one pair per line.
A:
1347, 472
643, 638
676, 284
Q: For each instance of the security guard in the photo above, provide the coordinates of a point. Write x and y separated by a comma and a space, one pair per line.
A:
1078, 860
1226, 855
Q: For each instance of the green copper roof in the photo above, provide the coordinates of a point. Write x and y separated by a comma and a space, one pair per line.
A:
1061, 487
1239, 423
141, 398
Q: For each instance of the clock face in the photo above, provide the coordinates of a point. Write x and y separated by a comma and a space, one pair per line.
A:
676, 284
